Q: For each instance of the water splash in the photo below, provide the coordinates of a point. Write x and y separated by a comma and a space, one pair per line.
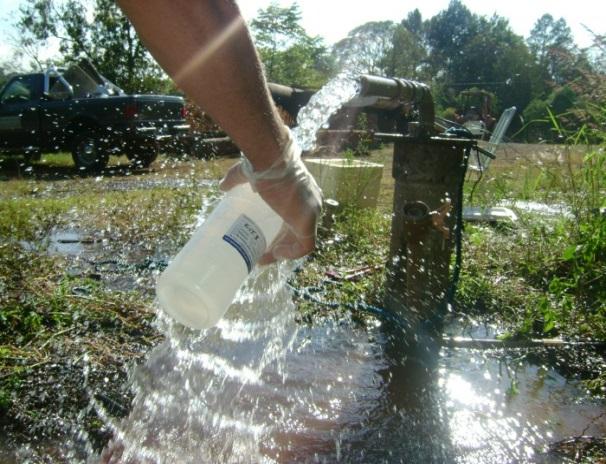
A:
195, 395
204, 390
354, 60
356, 56
322, 105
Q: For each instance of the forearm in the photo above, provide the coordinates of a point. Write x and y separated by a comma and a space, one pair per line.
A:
207, 50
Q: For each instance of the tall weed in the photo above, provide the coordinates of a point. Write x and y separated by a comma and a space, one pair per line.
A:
545, 276
576, 289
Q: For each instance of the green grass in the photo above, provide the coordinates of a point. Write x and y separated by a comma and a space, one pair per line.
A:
58, 160
49, 319
51, 316
537, 278
359, 238
33, 218
553, 277
127, 206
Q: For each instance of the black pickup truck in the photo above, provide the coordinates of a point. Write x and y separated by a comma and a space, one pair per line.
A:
78, 110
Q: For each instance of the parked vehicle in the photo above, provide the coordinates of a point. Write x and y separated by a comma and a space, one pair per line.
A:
78, 110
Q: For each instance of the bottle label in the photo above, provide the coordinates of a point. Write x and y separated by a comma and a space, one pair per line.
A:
247, 239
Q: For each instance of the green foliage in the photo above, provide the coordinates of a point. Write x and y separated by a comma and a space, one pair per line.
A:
578, 284
560, 117
368, 49
33, 220
550, 42
554, 279
406, 54
106, 37
410, 47
289, 54
449, 113
359, 238
28, 220
458, 49
468, 50
537, 127
448, 33
363, 145
562, 100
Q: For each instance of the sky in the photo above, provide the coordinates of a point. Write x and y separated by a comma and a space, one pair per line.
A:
333, 19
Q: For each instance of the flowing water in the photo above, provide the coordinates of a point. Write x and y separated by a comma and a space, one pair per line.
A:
322, 105
261, 387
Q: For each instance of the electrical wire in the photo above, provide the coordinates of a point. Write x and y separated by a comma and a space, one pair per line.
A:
477, 182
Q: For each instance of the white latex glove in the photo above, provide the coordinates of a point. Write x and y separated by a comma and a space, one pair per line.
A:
291, 191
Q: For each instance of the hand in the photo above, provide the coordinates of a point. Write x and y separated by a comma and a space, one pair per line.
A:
290, 191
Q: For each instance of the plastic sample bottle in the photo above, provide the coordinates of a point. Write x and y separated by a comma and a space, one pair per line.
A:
201, 281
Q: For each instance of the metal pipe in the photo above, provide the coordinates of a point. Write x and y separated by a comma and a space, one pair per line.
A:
491, 343
389, 93
279, 90
427, 172
290, 99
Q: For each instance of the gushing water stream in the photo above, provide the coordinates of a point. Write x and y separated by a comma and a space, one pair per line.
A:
260, 387
322, 105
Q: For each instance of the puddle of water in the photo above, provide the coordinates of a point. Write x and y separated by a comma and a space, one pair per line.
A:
503, 408
99, 258
540, 209
261, 388
122, 267
73, 242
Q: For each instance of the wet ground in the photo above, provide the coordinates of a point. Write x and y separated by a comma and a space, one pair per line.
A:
261, 387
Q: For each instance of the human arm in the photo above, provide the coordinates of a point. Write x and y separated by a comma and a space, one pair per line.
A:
206, 48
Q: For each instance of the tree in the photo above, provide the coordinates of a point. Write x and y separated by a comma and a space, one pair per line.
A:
552, 45
467, 50
366, 48
407, 56
597, 52
498, 59
97, 30
289, 54
415, 25
447, 35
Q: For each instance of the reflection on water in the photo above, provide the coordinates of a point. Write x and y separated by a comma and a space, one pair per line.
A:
504, 408
260, 388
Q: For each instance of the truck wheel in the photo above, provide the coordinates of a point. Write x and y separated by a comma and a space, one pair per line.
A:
143, 158
32, 156
88, 152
